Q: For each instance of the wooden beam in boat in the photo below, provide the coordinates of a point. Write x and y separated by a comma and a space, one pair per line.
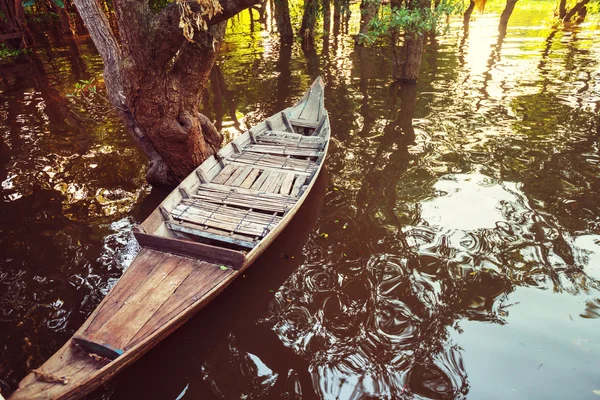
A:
207, 234
202, 251
287, 122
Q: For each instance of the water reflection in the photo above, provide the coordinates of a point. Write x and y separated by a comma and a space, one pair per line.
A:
456, 253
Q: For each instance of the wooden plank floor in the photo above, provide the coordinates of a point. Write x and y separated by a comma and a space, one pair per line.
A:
156, 288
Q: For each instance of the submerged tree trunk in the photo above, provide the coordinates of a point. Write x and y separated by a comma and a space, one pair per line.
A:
309, 18
336, 16
508, 10
467, 15
155, 78
282, 18
326, 17
408, 61
368, 11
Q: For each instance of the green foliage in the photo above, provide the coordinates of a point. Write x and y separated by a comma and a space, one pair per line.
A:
83, 88
8, 53
412, 20
30, 3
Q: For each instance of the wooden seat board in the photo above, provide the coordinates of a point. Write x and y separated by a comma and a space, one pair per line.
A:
139, 306
224, 222
214, 234
260, 180
252, 192
255, 204
202, 279
285, 150
238, 171
234, 214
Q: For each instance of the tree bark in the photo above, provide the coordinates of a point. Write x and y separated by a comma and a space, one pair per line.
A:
562, 9
579, 6
368, 11
508, 10
155, 78
336, 16
326, 17
467, 15
282, 19
309, 18
408, 65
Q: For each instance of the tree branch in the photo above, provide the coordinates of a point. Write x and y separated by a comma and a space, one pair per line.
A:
106, 43
168, 36
574, 10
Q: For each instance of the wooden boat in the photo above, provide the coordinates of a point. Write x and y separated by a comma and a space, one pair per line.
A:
200, 238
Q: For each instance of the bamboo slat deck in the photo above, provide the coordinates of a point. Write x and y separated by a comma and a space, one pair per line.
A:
208, 230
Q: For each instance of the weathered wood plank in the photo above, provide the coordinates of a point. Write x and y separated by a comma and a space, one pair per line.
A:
144, 264
209, 234
203, 277
242, 176
238, 171
250, 178
298, 183
261, 180
128, 317
224, 174
286, 185
285, 150
202, 251
276, 184
286, 122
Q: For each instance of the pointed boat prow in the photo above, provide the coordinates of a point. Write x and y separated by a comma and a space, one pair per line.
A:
201, 237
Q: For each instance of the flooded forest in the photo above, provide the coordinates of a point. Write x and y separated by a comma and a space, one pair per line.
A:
450, 247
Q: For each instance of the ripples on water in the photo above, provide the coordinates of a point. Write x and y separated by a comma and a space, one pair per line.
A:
457, 252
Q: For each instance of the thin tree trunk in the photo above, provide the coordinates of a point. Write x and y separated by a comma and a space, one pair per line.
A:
467, 15
368, 11
326, 17
508, 10
336, 17
309, 18
562, 9
282, 18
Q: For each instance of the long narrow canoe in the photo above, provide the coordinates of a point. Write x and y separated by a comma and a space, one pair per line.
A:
200, 238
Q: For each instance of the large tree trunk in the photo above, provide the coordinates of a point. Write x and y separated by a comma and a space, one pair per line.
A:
368, 11
155, 78
508, 10
282, 18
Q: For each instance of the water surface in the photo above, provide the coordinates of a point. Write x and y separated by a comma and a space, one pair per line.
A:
450, 250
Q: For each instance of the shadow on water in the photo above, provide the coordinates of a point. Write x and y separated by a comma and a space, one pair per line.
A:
452, 250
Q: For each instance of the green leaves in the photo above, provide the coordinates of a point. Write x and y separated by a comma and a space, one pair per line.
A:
417, 20
223, 268
29, 3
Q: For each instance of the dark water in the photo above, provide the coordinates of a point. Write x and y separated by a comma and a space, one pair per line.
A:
452, 248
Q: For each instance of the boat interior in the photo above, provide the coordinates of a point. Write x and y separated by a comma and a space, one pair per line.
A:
239, 195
